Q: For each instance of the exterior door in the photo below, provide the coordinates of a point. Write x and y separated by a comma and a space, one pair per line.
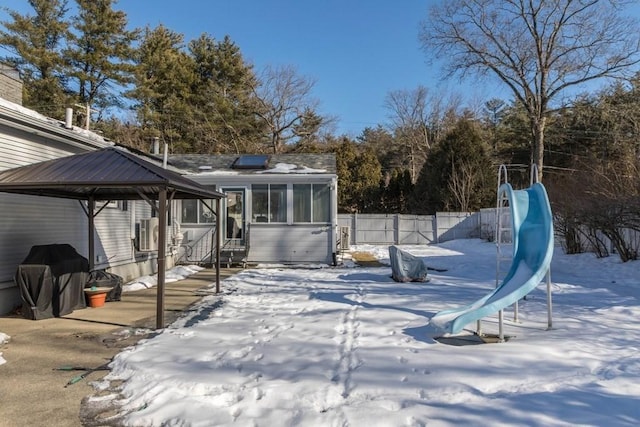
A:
234, 231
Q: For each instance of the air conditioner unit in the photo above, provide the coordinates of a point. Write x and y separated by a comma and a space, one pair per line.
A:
149, 234
345, 237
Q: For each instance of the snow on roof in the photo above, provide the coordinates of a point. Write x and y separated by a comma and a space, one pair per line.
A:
17, 108
218, 172
22, 110
221, 164
291, 168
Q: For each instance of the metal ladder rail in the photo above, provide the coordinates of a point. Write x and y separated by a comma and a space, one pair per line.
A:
502, 202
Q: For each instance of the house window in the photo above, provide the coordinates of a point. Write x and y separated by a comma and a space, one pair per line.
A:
122, 205
193, 212
311, 203
269, 202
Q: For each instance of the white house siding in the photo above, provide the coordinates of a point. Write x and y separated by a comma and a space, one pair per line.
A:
291, 243
277, 243
115, 234
29, 220
19, 148
113, 237
26, 221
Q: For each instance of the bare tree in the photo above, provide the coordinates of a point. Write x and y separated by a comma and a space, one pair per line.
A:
285, 101
599, 199
538, 48
463, 184
409, 123
417, 122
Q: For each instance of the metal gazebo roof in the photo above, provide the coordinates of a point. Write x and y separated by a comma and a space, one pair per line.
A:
111, 174
107, 174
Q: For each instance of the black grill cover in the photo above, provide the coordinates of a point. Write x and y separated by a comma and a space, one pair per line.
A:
51, 280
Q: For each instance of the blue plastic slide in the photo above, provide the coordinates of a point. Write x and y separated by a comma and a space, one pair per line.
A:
532, 251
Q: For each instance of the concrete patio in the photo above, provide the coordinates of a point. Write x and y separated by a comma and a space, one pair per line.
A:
35, 393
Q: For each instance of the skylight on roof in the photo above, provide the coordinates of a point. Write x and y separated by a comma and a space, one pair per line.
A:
251, 161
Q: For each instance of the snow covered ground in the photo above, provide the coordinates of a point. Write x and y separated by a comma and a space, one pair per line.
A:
346, 347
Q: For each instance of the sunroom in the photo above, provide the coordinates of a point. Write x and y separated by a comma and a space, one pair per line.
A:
278, 208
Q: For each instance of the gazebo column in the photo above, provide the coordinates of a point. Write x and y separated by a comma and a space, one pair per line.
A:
218, 221
91, 207
162, 249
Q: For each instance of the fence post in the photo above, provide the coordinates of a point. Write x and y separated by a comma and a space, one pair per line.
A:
355, 228
396, 229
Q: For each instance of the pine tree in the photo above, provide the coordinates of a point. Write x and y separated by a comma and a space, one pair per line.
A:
36, 41
222, 98
396, 194
163, 78
458, 175
359, 174
99, 53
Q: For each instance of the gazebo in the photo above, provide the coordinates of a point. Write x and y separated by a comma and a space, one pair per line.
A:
112, 174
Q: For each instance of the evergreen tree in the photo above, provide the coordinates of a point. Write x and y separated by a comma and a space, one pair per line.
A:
307, 130
383, 143
458, 175
222, 98
163, 78
396, 194
36, 41
99, 53
359, 175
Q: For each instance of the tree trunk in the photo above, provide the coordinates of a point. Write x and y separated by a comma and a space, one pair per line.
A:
538, 127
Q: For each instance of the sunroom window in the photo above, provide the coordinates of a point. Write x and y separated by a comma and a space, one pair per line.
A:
269, 202
311, 203
193, 212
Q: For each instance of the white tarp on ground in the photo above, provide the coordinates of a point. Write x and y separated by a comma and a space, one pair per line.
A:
406, 267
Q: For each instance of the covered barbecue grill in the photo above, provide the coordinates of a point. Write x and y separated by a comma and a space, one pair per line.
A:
51, 280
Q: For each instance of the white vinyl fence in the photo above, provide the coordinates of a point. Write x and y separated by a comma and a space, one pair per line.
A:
397, 229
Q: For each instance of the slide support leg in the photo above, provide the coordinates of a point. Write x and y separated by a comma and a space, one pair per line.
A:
549, 302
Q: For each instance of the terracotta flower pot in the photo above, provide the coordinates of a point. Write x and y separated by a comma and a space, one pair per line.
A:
96, 296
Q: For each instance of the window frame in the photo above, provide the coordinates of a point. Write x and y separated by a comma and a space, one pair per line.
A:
199, 211
310, 198
282, 208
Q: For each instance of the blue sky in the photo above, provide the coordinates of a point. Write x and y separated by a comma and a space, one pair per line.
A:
356, 51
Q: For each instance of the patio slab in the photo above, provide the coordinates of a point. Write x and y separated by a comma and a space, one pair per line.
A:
35, 393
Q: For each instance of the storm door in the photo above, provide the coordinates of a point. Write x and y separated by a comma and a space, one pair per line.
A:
234, 231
